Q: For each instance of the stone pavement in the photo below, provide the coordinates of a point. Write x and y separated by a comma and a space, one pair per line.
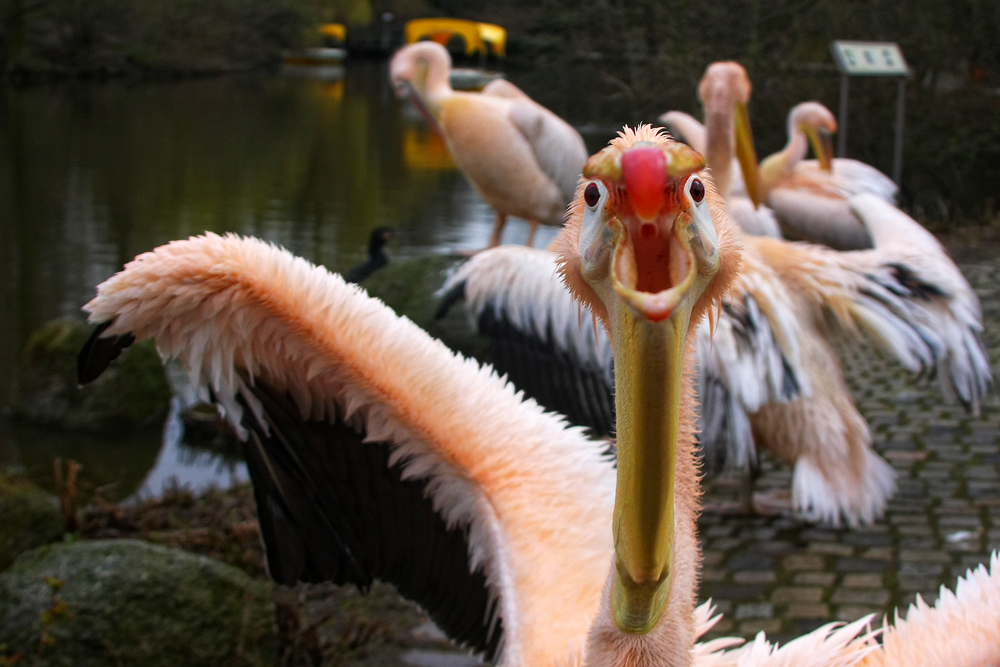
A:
786, 577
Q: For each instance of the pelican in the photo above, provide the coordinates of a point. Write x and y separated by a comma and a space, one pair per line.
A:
376, 452
727, 143
810, 197
521, 158
768, 377
821, 433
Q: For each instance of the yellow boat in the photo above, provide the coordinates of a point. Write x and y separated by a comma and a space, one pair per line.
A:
478, 39
481, 39
425, 149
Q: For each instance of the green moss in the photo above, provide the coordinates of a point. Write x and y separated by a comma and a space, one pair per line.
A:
29, 517
133, 391
135, 603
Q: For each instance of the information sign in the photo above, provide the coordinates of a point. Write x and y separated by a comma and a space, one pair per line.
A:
869, 58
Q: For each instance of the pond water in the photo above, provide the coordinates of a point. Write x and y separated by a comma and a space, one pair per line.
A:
92, 174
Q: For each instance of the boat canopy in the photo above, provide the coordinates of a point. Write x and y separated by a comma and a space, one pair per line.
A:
335, 31
484, 38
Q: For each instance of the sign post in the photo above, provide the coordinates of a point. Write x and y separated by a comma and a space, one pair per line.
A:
871, 59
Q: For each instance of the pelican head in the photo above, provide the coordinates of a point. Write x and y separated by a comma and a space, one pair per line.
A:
419, 72
724, 92
818, 124
648, 248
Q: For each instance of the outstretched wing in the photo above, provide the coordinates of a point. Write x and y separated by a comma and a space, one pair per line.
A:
375, 452
335, 506
963, 623
537, 333
906, 294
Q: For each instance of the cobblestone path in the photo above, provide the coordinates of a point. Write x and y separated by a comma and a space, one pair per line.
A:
786, 577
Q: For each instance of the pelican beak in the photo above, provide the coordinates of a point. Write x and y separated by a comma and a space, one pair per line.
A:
822, 145
406, 90
746, 155
656, 279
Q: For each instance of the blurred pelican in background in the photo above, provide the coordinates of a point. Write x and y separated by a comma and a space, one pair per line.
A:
727, 144
521, 158
810, 197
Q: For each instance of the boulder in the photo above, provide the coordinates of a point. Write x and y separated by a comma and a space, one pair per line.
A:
132, 392
410, 288
129, 602
29, 518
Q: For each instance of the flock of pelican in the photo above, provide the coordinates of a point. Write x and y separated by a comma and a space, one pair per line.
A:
376, 452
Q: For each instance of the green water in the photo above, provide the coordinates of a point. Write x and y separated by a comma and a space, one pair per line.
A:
92, 174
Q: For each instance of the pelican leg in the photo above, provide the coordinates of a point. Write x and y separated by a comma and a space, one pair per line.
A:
776, 502
531, 233
497, 230
494, 237
748, 484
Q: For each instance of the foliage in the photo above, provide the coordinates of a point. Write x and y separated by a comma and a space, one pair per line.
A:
351, 12
57, 609
643, 57
100, 37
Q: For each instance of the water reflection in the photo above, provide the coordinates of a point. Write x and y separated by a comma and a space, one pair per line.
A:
113, 467
93, 174
178, 463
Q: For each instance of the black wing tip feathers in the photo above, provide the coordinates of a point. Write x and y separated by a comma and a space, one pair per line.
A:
911, 280
98, 353
450, 298
331, 508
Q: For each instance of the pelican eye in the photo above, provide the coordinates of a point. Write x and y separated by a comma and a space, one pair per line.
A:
591, 194
697, 190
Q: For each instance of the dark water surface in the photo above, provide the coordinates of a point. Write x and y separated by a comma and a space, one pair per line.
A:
92, 174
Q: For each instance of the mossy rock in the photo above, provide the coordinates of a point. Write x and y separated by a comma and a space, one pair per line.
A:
129, 602
409, 287
29, 518
133, 391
